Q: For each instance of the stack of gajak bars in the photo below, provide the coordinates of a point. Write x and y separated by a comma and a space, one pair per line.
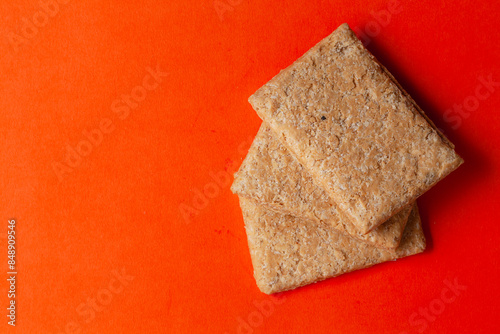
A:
330, 182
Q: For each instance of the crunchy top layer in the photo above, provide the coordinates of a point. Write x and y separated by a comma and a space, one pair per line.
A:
358, 134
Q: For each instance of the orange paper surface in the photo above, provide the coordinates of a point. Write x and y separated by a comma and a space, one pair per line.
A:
121, 123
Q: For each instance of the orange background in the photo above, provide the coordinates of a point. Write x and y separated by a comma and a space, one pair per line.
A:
117, 210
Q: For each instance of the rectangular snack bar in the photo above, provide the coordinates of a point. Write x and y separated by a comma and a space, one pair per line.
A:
359, 135
289, 252
271, 176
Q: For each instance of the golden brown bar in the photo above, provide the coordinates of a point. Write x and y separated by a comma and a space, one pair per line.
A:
361, 137
289, 252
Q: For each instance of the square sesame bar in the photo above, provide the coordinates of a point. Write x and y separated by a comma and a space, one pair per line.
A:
355, 130
289, 252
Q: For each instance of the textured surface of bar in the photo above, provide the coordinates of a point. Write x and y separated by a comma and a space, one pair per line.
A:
289, 252
360, 136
